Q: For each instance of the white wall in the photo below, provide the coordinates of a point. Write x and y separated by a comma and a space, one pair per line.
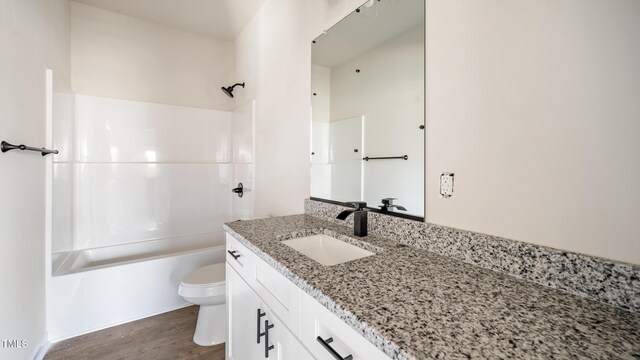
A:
273, 55
320, 143
320, 176
346, 165
273, 62
534, 106
242, 134
321, 93
58, 42
119, 56
26, 27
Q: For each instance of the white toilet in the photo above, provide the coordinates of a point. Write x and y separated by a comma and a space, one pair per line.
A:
205, 287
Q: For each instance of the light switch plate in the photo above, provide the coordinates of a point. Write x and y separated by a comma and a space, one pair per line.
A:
446, 185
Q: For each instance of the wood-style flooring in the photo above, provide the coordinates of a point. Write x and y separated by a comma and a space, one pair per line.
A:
166, 336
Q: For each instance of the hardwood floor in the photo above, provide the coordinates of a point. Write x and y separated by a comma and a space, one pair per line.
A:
165, 336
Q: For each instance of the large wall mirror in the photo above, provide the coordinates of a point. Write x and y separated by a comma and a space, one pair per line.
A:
367, 96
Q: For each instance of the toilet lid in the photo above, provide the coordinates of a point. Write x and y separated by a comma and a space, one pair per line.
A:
210, 275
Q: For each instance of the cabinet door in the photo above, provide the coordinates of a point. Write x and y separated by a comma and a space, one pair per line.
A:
242, 311
280, 294
285, 345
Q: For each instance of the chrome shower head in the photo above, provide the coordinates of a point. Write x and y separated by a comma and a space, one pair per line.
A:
229, 89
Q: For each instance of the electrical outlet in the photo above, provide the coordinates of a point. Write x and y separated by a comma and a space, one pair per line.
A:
446, 185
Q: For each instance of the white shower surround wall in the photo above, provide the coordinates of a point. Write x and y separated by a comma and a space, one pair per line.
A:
140, 171
140, 192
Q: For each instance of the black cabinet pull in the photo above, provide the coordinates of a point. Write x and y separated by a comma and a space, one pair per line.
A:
260, 315
332, 351
233, 253
267, 348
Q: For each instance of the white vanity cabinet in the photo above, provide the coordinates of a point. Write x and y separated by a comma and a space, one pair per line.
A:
261, 306
299, 327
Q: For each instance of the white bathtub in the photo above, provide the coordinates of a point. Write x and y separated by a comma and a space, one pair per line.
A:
96, 258
92, 289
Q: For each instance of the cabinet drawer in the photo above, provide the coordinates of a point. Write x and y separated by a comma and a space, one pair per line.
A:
280, 294
319, 323
240, 258
277, 292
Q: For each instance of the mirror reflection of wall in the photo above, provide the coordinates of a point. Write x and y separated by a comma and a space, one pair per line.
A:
368, 101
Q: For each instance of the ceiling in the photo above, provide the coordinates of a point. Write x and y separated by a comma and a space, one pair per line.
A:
223, 19
365, 30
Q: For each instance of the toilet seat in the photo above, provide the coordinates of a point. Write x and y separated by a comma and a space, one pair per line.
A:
204, 282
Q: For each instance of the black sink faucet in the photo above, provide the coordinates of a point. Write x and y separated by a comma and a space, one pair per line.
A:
359, 217
387, 204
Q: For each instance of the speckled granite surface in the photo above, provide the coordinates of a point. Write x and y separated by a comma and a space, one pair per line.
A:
613, 283
414, 304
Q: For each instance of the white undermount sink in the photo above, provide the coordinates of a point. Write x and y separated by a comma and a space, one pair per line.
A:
327, 250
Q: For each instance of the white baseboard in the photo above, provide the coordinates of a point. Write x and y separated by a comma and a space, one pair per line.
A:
41, 350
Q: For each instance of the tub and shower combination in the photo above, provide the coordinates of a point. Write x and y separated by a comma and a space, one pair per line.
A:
132, 213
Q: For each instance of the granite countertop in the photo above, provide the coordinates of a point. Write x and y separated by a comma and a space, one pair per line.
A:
413, 304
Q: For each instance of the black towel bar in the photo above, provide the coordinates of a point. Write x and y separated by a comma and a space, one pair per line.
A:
404, 157
5, 146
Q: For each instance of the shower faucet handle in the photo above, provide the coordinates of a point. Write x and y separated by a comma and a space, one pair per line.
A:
239, 190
